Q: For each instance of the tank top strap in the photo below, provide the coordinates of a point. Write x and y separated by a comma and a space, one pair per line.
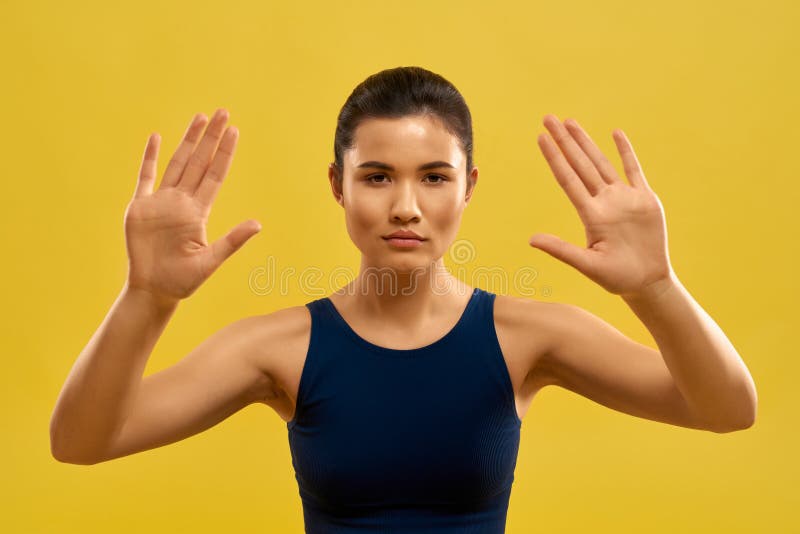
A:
317, 358
484, 335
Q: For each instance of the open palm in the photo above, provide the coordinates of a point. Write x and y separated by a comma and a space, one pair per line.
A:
165, 230
626, 235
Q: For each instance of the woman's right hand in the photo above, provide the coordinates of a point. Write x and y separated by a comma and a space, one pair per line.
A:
165, 230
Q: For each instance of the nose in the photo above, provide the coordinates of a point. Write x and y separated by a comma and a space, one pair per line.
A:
404, 205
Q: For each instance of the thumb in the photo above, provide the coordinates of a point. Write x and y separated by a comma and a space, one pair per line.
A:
560, 249
222, 248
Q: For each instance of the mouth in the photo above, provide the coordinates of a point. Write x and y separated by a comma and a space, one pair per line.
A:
404, 242
404, 234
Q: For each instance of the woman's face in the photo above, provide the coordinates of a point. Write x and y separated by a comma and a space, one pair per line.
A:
385, 188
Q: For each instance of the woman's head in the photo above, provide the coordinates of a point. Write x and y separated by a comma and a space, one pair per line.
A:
394, 126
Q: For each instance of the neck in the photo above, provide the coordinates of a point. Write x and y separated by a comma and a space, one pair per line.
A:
420, 292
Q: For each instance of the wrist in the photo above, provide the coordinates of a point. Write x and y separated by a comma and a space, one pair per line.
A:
653, 291
149, 299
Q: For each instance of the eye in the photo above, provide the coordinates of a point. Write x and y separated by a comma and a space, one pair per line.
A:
376, 178
370, 178
439, 176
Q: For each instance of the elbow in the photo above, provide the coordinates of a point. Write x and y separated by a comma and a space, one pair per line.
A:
744, 416
744, 419
747, 414
56, 448
748, 421
66, 458
64, 455
61, 455
727, 429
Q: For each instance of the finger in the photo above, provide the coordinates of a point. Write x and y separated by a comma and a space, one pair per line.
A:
178, 161
198, 162
565, 175
599, 159
212, 181
582, 165
558, 248
630, 162
225, 246
147, 171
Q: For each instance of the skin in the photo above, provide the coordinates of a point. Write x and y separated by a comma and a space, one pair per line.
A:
403, 298
694, 379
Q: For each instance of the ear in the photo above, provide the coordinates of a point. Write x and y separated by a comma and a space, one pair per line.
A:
472, 180
333, 178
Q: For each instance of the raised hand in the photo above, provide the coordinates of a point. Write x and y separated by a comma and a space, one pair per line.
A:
168, 252
626, 235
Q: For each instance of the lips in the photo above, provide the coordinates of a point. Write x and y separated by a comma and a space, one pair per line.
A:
404, 234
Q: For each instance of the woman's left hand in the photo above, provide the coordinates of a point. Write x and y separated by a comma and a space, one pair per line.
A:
626, 234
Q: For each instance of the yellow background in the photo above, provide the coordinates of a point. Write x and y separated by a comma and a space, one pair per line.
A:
707, 93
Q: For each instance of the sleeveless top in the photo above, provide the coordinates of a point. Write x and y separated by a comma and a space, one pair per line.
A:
405, 440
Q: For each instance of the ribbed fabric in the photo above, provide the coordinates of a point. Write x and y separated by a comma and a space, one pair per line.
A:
419, 440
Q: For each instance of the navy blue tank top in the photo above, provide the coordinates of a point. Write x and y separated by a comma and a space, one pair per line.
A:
405, 440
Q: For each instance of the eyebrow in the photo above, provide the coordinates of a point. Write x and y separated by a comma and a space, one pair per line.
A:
387, 167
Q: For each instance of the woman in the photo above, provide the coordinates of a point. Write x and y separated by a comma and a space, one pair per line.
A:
403, 403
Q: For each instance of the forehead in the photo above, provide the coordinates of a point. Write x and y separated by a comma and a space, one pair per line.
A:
404, 141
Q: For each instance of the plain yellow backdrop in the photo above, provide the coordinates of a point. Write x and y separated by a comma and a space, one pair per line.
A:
707, 93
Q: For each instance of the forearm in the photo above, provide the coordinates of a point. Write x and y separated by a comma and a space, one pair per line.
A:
101, 386
704, 364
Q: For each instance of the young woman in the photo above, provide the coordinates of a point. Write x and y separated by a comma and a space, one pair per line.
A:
403, 392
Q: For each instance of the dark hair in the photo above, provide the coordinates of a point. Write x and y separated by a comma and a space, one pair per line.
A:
401, 91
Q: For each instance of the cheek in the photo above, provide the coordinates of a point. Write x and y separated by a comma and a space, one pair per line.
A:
446, 215
363, 219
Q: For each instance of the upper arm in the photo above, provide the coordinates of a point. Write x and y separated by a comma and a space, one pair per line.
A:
215, 380
590, 357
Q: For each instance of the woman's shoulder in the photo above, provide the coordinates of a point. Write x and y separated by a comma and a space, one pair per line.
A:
270, 328
522, 312
519, 316
526, 328
288, 321
278, 341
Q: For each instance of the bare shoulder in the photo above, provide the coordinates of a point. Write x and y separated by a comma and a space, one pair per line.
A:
279, 343
525, 331
276, 329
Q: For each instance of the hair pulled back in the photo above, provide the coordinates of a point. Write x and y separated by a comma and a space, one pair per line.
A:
398, 92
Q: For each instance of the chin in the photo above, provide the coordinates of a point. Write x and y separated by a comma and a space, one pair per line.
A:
402, 262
